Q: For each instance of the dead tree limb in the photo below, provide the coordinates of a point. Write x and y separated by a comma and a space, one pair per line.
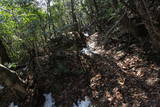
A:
10, 79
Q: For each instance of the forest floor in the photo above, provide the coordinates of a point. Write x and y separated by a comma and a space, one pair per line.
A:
123, 73
131, 77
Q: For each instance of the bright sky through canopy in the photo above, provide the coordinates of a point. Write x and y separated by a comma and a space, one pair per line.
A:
43, 4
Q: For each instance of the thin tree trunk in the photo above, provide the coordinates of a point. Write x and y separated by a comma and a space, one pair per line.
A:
74, 18
4, 58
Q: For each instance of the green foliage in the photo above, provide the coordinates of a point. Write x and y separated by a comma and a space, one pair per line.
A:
24, 24
12, 65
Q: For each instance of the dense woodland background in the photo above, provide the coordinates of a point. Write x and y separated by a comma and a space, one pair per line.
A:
42, 46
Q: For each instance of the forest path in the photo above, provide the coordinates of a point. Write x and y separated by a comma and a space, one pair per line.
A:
130, 78
120, 74
92, 45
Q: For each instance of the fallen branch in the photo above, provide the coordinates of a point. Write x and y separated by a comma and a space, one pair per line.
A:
11, 79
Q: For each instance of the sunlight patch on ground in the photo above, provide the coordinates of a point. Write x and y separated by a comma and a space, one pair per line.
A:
49, 101
118, 55
13, 105
85, 103
152, 79
92, 46
87, 51
86, 34
129, 62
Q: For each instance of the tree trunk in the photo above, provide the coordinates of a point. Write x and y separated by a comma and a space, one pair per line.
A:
149, 13
4, 58
74, 18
